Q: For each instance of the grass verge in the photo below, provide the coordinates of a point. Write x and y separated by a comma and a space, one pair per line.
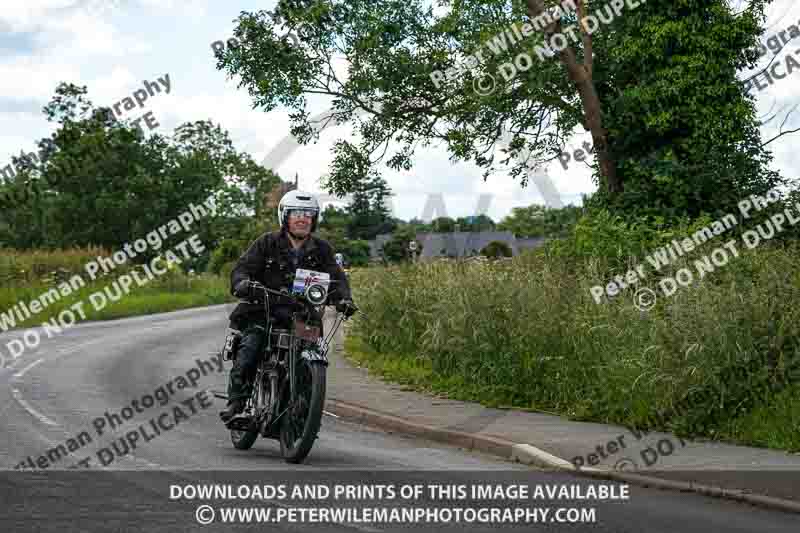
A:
718, 359
170, 293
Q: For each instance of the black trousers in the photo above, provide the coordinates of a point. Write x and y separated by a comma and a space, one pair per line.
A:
245, 362
251, 349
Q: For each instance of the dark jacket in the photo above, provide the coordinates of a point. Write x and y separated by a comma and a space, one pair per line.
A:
269, 261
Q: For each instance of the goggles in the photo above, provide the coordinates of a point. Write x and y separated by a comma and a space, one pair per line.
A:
302, 213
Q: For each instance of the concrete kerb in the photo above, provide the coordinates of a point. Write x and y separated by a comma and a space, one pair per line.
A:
531, 455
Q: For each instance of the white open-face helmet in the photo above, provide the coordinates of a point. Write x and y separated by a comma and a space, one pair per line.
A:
299, 200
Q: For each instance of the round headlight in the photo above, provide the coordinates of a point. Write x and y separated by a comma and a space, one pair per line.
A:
316, 294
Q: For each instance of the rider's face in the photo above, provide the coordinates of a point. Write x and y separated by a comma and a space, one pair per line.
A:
299, 225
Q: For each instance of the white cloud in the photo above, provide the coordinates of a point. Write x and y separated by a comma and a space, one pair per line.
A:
113, 50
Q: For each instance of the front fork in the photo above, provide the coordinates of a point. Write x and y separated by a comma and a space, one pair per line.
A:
292, 371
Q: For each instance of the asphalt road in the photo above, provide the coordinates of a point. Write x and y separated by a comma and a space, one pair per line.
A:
59, 394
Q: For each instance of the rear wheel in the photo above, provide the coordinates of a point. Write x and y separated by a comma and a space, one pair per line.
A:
301, 423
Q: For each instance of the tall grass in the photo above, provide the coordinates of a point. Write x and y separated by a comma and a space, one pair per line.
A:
28, 275
22, 267
713, 359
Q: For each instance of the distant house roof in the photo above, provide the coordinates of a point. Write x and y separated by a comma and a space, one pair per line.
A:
376, 244
527, 244
459, 244
462, 244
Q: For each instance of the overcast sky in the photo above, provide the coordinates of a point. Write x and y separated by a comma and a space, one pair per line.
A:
113, 46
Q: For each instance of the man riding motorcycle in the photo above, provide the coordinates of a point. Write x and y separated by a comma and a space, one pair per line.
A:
272, 261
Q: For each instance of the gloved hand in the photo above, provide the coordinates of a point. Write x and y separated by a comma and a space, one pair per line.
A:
243, 289
347, 307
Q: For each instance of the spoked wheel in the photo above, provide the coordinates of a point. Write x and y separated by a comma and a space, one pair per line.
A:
246, 433
301, 422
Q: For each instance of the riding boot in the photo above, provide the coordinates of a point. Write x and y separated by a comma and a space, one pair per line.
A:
235, 407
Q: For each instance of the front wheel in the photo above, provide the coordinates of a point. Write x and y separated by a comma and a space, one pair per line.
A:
244, 437
301, 423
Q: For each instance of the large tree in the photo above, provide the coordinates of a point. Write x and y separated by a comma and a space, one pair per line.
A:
103, 183
656, 88
369, 214
540, 221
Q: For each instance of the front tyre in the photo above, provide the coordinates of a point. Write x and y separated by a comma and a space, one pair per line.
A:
243, 438
301, 423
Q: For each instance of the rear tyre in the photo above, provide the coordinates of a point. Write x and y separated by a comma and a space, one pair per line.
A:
300, 424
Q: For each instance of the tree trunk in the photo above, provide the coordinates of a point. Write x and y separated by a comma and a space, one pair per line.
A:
582, 79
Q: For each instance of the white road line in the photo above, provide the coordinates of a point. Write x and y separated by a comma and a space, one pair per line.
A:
148, 463
22, 372
330, 414
25, 405
75, 348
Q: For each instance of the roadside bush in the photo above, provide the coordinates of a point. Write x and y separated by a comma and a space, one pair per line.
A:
22, 267
228, 250
225, 271
528, 333
496, 249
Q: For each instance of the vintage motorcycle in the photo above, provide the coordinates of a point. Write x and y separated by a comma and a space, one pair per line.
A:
288, 392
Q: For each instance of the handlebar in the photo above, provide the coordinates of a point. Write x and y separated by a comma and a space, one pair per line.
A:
293, 297
257, 285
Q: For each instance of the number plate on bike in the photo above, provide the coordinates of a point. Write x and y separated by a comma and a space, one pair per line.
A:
306, 332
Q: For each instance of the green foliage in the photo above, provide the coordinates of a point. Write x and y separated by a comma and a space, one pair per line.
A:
228, 250
104, 184
334, 218
356, 252
475, 223
396, 249
26, 275
443, 225
681, 131
225, 271
720, 359
20, 267
497, 249
540, 221
369, 215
